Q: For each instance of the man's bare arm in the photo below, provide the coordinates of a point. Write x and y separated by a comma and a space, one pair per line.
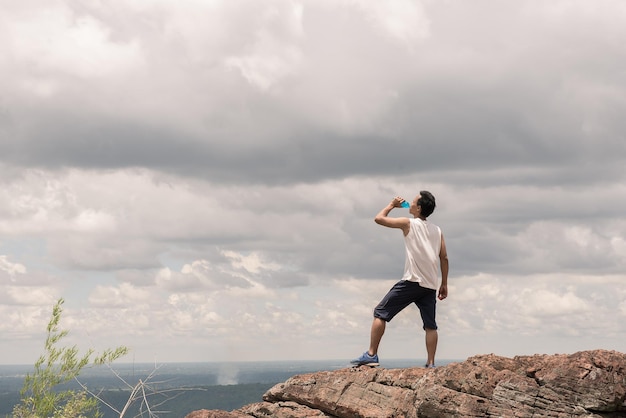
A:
384, 219
443, 262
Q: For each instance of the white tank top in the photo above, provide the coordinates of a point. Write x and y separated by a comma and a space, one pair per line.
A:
423, 244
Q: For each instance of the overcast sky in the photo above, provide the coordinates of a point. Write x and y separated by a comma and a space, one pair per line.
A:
198, 179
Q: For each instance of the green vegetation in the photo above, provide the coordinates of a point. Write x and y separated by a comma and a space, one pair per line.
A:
53, 390
59, 365
179, 403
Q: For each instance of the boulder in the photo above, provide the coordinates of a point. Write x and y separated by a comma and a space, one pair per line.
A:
585, 384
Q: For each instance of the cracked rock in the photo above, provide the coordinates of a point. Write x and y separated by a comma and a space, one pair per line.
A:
588, 384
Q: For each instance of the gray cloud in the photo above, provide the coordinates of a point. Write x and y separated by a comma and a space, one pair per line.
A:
216, 166
377, 111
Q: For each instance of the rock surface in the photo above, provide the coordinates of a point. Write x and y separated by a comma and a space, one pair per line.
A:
584, 384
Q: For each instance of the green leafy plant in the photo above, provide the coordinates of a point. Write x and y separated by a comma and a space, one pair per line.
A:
56, 366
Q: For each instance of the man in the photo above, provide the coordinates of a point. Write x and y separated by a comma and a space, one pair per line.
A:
426, 256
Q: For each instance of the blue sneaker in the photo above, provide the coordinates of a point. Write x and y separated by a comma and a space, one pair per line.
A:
430, 366
366, 359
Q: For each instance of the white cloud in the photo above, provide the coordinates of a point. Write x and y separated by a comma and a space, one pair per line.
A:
91, 220
252, 263
622, 307
204, 275
546, 303
564, 245
32, 296
274, 52
402, 19
209, 170
55, 40
532, 305
124, 295
11, 268
24, 322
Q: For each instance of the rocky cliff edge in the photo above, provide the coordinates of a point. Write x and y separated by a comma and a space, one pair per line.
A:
584, 384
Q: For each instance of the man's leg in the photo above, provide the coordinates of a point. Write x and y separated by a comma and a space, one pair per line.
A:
431, 345
376, 334
398, 298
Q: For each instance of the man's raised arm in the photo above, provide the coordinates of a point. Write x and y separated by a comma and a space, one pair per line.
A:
384, 219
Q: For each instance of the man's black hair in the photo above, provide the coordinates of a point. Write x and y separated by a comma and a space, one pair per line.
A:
427, 203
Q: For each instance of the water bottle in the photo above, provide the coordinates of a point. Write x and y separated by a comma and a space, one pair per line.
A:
405, 204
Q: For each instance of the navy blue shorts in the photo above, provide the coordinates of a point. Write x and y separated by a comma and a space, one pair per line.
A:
401, 295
